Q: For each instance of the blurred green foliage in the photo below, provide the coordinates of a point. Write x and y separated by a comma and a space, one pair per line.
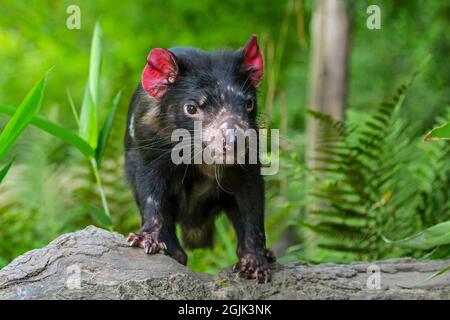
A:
46, 191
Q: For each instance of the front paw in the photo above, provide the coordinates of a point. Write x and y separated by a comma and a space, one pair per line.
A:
252, 266
149, 241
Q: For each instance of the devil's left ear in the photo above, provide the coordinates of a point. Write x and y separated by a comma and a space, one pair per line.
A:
253, 61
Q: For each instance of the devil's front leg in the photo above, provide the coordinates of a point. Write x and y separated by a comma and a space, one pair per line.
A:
246, 212
150, 190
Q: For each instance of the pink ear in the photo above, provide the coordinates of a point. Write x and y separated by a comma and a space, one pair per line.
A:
160, 71
253, 61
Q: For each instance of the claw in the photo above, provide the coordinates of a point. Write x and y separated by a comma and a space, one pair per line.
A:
253, 267
131, 236
147, 248
147, 241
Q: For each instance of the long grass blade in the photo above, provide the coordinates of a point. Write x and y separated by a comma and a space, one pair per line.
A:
106, 129
424, 281
100, 216
73, 108
95, 64
55, 130
29, 106
90, 105
5, 169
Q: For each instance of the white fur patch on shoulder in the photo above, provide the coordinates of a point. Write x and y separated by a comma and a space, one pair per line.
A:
132, 127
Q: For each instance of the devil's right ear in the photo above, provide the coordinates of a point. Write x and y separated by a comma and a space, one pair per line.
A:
161, 70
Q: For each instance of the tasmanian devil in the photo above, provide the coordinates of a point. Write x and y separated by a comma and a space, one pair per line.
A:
180, 86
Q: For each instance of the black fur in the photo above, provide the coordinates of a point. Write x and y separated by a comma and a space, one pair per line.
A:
193, 195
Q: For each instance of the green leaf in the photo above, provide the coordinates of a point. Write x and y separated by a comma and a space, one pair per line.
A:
434, 236
100, 216
106, 129
73, 108
55, 130
424, 281
5, 170
27, 109
88, 120
90, 105
440, 272
95, 64
439, 133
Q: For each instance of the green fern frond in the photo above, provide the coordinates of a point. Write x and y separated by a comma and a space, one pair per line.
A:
357, 190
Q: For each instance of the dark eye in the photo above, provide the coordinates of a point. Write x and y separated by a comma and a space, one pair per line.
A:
249, 106
190, 108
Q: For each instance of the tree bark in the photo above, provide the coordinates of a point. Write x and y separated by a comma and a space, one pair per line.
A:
97, 264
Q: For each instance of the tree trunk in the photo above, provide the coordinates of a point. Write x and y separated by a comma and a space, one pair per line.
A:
330, 31
97, 264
